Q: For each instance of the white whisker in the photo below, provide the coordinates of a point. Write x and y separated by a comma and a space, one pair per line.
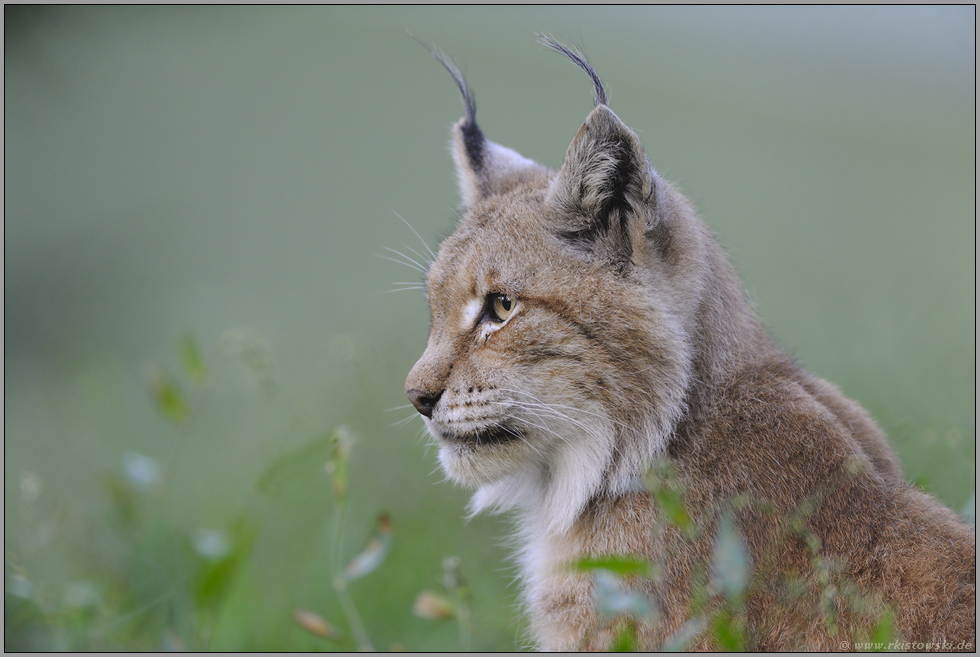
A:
402, 289
427, 262
537, 408
422, 268
400, 262
571, 408
405, 421
544, 426
416, 235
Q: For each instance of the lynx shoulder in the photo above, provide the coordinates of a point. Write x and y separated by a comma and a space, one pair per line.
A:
587, 330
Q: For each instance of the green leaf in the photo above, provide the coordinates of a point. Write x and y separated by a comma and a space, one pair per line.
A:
672, 504
255, 353
290, 473
828, 607
121, 495
613, 599
374, 552
165, 394
883, 634
626, 640
216, 575
727, 633
662, 482
622, 565
683, 637
190, 355
27, 628
730, 566
297, 466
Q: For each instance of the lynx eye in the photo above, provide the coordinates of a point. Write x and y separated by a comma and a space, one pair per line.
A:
501, 307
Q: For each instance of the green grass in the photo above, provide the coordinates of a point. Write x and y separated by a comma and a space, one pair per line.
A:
296, 564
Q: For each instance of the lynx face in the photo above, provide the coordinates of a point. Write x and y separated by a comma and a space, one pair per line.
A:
557, 357
525, 367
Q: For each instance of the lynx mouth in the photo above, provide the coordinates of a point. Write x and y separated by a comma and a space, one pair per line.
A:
489, 436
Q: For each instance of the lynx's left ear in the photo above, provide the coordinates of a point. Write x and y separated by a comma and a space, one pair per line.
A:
483, 168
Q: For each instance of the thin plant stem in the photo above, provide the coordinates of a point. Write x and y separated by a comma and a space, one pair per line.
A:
353, 618
340, 585
465, 635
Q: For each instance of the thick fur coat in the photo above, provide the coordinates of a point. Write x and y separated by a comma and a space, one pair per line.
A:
585, 327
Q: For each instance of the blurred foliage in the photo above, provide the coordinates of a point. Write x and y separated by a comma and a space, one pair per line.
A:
883, 634
455, 603
147, 604
193, 362
622, 566
166, 395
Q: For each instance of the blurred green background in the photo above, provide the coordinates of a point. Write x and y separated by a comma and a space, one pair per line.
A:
196, 200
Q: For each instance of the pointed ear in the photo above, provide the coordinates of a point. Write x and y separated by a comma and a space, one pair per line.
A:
484, 168
604, 186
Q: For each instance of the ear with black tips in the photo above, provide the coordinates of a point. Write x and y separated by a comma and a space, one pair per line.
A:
483, 168
603, 189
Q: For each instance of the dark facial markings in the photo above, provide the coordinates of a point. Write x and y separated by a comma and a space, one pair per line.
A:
490, 436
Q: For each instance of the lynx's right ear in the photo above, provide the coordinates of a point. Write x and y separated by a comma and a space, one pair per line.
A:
605, 183
483, 168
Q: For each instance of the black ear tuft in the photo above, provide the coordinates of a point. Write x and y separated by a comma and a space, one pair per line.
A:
483, 168
473, 139
576, 56
475, 144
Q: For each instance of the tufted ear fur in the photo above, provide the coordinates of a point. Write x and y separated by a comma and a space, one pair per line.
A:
484, 168
602, 192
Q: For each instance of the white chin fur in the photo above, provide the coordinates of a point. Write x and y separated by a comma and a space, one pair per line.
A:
552, 483
475, 465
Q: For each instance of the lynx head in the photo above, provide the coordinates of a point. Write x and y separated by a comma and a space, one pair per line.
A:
562, 307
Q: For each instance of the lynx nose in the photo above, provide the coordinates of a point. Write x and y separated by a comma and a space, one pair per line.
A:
424, 400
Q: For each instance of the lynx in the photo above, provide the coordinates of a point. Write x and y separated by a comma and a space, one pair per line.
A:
586, 327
